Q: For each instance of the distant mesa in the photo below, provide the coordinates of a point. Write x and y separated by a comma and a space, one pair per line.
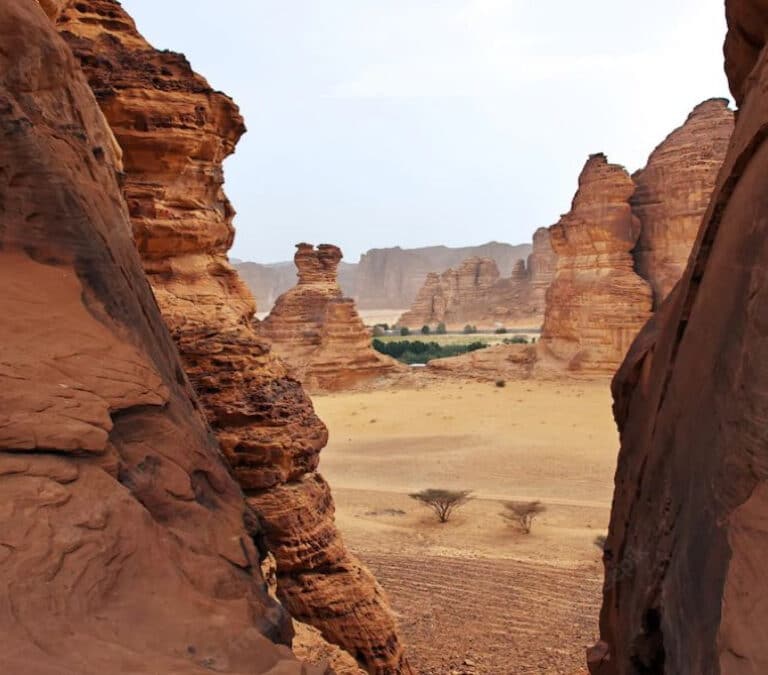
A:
318, 332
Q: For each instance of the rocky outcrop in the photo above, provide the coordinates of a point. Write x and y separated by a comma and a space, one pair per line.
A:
685, 588
500, 362
475, 292
596, 303
673, 192
175, 132
318, 332
125, 543
390, 278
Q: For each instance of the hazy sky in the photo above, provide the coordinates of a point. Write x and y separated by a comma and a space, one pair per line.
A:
415, 122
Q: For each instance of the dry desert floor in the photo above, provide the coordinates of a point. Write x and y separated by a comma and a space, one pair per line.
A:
475, 595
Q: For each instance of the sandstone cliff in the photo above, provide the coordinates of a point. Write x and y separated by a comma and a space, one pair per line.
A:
123, 532
175, 132
475, 292
317, 331
685, 587
673, 192
596, 303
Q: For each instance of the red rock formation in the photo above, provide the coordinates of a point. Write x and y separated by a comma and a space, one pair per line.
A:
685, 588
673, 192
500, 362
596, 304
318, 332
475, 293
175, 131
123, 537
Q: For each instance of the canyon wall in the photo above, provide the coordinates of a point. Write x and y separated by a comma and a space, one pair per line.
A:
685, 589
317, 331
673, 192
123, 533
596, 304
475, 292
175, 132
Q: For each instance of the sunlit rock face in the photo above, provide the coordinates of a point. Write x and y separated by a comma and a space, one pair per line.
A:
673, 192
123, 532
175, 131
318, 332
596, 303
685, 588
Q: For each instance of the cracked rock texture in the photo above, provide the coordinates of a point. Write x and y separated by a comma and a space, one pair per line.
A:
597, 303
685, 587
673, 192
318, 332
122, 533
174, 132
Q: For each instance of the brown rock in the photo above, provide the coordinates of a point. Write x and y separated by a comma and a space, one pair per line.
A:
318, 332
475, 292
685, 589
175, 131
500, 362
123, 544
310, 646
673, 192
596, 304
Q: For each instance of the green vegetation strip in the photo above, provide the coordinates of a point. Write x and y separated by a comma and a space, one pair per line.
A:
418, 351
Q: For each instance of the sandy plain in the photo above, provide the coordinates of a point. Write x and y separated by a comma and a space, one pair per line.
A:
475, 595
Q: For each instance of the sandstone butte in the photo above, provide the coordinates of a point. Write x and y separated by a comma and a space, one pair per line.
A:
476, 293
673, 192
123, 532
596, 304
174, 132
318, 332
685, 585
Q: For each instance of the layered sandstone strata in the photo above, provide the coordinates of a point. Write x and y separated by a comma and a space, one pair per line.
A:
673, 192
318, 332
175, 132
685, 587
122, 531
596, 303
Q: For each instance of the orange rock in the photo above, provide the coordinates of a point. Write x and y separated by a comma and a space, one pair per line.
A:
318, 332
596, 304
175, 132
685, 589
123, 533
673, 192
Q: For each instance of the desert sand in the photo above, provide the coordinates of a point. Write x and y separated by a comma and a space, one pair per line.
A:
475, 595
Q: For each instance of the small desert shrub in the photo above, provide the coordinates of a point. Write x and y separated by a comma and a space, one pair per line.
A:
425, 330
441, 329
501, 383
500, 331
516, 340
522, 514
405, 331
470, 330
442, 502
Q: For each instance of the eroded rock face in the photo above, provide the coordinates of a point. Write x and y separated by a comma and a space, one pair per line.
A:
175, 131
596, 304
475, 292
674, 190
685, 589
123, 532
318, 332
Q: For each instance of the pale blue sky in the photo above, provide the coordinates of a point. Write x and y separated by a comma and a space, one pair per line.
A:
412, 122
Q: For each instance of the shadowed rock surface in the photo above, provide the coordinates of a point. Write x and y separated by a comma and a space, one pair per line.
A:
123, 541
673, 192
596, 304
685, 587
175, 132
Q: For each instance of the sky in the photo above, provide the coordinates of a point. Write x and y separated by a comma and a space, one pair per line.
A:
376, 123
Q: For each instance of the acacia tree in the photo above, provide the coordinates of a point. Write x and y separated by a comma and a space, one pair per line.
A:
522, 514
442, 502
